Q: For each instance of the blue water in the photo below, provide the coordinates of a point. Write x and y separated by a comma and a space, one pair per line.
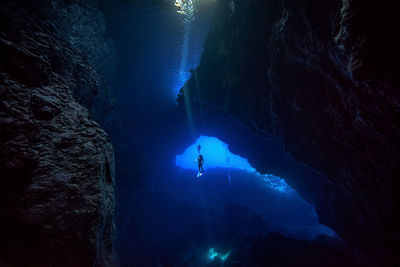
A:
218, 155
267, 194
165, 214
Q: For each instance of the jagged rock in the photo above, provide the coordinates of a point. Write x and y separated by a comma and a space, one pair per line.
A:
320, 77
83, 26
57, 165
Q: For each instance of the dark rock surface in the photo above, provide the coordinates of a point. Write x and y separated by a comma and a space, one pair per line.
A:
83, 26
57, 164
278, 250
321, 78
80, 23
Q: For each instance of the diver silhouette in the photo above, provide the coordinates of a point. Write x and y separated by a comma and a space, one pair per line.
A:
200, 161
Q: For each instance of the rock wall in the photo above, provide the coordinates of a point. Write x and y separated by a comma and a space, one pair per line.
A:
57, 164
83, 26
321, 78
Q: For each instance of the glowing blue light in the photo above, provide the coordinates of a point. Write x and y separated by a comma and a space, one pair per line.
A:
180, 79
275, 182
212, 254
217, 155
225, 256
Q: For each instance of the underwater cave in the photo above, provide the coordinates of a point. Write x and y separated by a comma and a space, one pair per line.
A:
199, 133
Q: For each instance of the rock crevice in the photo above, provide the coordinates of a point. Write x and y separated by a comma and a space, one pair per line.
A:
320, 77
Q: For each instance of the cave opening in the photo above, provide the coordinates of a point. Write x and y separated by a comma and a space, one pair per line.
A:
243, 179
227, 208
105, 106
165, 215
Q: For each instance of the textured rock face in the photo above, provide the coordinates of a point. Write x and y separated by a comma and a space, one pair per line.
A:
320, 77
57, 165
80, 23
83, 26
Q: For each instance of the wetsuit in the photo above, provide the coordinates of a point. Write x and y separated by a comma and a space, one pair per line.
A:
200, 161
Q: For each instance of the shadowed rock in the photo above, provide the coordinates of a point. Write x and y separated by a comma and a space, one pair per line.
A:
57, 165
320, 78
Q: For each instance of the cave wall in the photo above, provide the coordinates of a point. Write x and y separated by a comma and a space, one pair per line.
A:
320, 78
82, 24
57, 163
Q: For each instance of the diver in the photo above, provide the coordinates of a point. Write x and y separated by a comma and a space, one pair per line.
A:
200, 162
